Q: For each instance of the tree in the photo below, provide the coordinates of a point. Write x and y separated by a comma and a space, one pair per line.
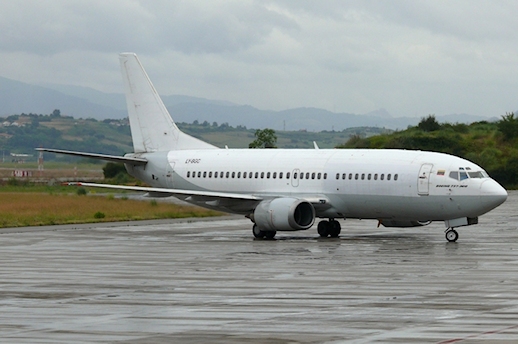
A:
265, 138
429, 124
508, 126
112, 169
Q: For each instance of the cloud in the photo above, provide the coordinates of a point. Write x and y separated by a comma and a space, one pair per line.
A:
411, 57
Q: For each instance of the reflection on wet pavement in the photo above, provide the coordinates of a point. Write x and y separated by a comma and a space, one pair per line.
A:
171, 281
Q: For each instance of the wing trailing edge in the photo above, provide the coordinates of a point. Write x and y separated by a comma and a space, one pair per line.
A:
209, 195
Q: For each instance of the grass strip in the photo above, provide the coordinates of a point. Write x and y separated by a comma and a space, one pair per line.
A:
37, 209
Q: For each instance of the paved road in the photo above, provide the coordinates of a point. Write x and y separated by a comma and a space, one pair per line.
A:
210, 281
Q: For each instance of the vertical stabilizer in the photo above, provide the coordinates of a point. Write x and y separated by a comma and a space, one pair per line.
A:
152, 128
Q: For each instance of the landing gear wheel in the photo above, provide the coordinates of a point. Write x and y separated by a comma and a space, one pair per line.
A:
452, 235
323, 229
269, 234
335, 229
258, 233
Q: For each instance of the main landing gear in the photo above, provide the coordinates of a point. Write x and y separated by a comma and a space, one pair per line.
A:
451, 235
329, 228
260, 234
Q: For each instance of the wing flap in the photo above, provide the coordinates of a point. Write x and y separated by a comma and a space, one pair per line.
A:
196, 196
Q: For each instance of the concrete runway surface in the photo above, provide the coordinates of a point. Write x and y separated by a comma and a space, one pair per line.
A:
210, 281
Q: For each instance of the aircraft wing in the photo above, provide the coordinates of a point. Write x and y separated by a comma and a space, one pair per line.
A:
112, 158
234, 202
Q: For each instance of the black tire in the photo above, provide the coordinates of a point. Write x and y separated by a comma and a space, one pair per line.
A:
259, 234
335, 228
269, 234
323, 228
452, 235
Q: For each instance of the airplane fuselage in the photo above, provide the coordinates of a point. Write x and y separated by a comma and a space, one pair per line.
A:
400, 185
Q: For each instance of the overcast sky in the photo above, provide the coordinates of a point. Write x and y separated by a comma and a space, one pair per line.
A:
410, 57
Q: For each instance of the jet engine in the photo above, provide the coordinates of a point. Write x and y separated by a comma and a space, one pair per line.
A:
403, 223
284, 214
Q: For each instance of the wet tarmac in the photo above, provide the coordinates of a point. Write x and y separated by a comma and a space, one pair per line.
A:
210, 281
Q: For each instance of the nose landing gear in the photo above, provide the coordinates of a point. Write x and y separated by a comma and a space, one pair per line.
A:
451, 235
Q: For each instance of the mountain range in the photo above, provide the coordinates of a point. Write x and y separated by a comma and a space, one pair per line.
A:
80, 102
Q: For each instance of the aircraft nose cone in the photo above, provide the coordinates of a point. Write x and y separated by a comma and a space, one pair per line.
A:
492, 194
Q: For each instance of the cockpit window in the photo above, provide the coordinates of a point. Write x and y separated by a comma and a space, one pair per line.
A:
465, 173
478, 174
454, 175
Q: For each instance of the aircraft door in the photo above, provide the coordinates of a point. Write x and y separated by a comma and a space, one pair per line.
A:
295, 177
423, 181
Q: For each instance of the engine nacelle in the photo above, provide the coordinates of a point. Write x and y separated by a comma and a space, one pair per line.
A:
403, 223
284, 214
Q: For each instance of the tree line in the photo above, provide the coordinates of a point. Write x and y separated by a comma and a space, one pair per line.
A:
492, 145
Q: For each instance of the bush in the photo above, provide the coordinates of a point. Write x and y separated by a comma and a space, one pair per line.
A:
81, 191
99, 215
112, 169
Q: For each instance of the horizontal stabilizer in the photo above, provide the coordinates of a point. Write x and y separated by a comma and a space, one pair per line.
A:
112, 158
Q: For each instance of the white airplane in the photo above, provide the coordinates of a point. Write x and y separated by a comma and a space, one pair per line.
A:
287, 189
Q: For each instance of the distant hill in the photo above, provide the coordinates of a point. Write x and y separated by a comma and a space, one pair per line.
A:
18, 97
81, 102
21, 134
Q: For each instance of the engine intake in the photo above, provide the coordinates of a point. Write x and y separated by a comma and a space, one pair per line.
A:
284, 214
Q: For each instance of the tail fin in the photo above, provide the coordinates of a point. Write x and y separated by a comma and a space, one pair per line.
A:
152, 128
